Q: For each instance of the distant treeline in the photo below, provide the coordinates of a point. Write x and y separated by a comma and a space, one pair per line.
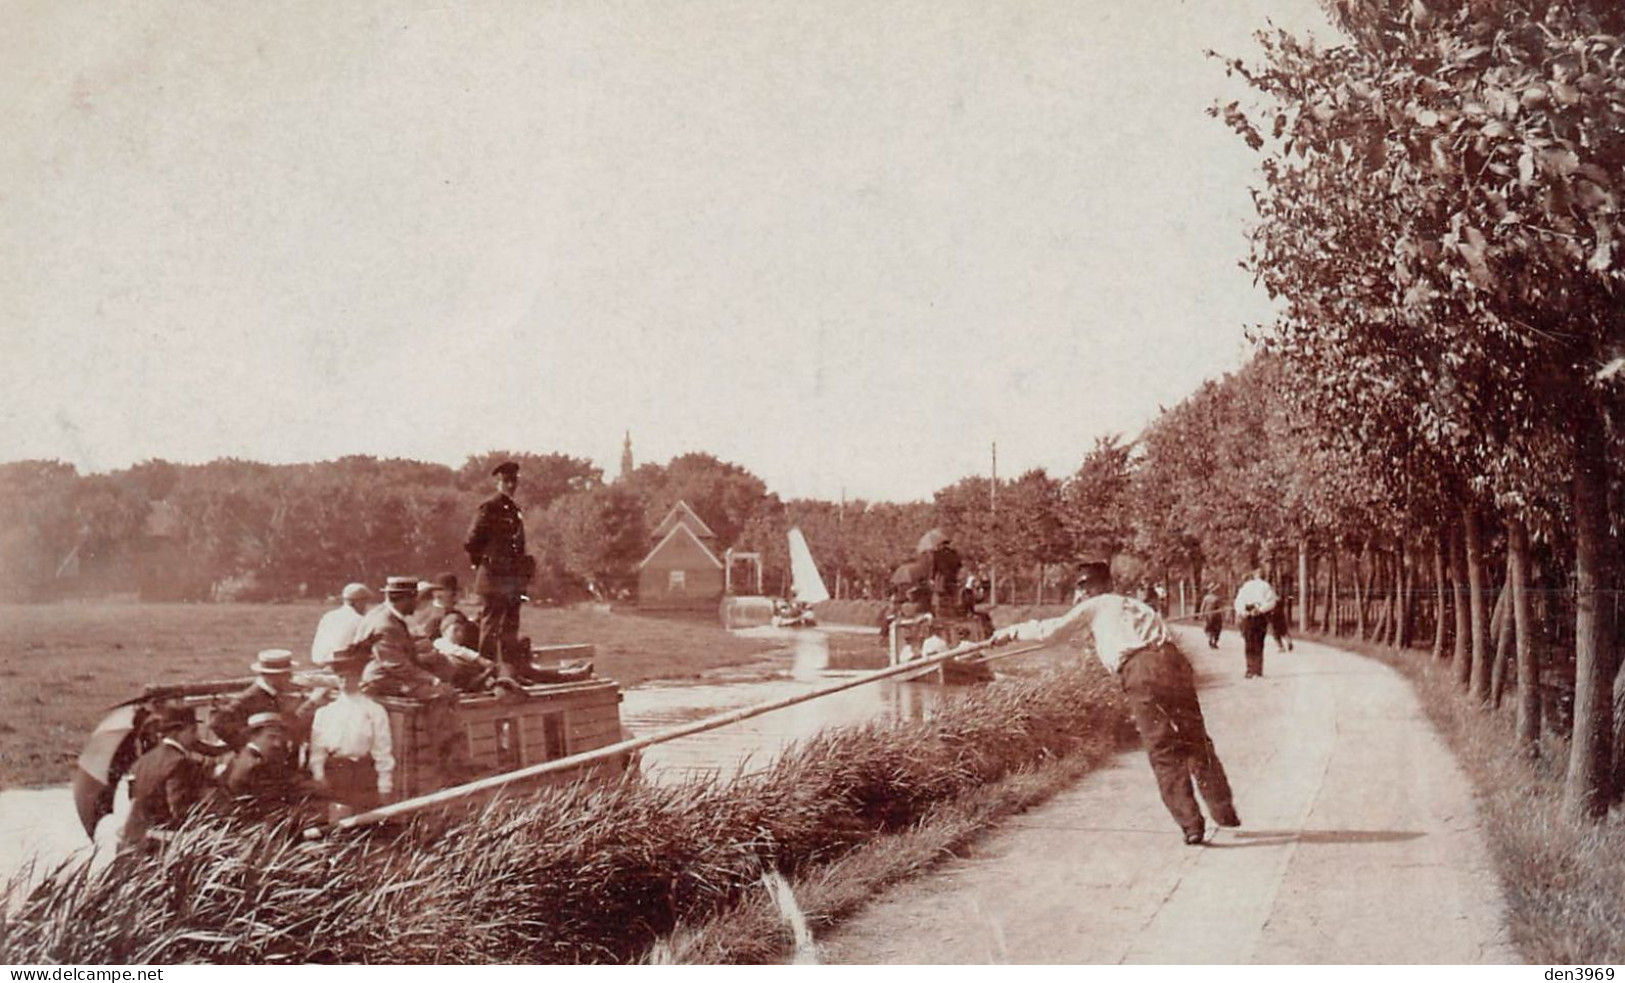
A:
241, 530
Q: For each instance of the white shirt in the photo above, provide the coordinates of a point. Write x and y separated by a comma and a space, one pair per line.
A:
353, 726
335, 631
1258, 594
1119, 626
447, 647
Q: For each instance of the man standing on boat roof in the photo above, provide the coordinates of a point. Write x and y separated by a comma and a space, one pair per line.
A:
502, 569
1134, 645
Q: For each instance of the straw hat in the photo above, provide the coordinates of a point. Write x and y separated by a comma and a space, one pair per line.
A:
273, 662
266, 719
400, 585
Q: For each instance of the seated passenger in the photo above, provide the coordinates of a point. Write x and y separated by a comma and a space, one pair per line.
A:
273, 691
262, 774
337, 628
458, 662
441, 605
394, 671
165, 783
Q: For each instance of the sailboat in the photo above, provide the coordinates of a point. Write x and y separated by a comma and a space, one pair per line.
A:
806, 586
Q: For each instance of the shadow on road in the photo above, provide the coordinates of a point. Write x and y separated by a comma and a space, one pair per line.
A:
1276, 837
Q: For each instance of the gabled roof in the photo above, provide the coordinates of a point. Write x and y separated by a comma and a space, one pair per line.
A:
681, 514
681, 529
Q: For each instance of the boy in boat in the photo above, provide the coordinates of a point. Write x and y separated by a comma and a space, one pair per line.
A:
1133, 644
440, 605
352, 756
458, 662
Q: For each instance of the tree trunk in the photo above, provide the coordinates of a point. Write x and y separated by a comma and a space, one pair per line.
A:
1479, 681
1305, 597
1359, 595
1501, 631
1587, 789
1441, 631
1331, 589
1462, 654
1402, 611
1381, 596
1523, 621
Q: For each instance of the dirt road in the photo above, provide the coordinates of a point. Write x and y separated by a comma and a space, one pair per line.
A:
1360, 844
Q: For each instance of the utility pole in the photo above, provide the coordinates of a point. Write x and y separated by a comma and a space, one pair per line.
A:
993, 507
840, 557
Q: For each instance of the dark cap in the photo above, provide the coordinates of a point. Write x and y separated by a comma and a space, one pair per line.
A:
446, 581
352, 657
172, 718
1094, 573
506, 468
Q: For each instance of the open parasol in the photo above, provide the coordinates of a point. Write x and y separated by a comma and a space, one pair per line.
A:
931, 540
108, 753
912, 572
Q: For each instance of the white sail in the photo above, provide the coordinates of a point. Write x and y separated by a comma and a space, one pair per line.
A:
805, 583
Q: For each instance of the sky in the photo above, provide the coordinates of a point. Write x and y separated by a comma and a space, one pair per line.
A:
846, 245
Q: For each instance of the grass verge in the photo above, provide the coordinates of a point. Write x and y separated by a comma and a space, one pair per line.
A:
1562, 883
572, 875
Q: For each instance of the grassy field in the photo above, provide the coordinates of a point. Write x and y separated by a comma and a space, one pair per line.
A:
64, 664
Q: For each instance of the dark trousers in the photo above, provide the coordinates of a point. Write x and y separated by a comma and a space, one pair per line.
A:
499, 627
1254, 627
353, 781
1214, 627
1281, 625
1161, 690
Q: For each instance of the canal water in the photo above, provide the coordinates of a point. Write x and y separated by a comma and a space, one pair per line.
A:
41, 826
801, 667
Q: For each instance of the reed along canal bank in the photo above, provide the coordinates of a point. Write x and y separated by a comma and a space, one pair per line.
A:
569, 875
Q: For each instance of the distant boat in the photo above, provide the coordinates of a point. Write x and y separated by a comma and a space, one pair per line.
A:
806, 585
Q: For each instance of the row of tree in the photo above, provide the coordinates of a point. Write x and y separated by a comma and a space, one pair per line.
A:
1439, 215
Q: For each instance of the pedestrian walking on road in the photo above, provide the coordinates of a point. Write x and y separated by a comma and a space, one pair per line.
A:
1133, 644
1255, 602
1281, 623
1211, 611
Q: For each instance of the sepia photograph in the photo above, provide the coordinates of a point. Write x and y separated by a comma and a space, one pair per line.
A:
813, 482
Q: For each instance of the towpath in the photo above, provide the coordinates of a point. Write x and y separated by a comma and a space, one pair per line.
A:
1361, 844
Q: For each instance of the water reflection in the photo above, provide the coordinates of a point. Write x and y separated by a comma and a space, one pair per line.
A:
752, 744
